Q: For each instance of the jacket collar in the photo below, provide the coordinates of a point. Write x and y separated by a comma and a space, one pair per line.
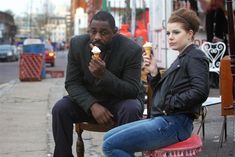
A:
176, 64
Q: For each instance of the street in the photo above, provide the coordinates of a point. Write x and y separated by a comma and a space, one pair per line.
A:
10, 70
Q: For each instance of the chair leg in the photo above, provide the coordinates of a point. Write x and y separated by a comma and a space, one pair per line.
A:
203, 123
223, 132
80, 143
225, 128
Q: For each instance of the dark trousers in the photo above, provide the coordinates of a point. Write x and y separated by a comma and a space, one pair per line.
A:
65, 113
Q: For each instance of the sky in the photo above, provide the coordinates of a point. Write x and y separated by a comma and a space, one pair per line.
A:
19, 7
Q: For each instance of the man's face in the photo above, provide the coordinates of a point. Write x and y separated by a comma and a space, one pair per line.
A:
101, 33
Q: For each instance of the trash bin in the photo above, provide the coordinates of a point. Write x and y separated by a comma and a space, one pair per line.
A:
38, 49
32, 59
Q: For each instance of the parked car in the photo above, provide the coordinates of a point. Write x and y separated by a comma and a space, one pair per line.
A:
9, 52
49, 54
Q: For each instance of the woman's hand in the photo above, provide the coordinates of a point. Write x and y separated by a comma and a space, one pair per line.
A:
150, 65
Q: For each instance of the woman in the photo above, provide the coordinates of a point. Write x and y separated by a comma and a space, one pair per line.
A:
177, 96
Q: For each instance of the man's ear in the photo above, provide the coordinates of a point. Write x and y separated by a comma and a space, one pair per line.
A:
115, 30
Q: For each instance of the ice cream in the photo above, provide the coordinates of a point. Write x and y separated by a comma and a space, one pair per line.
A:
148, 47
96, 51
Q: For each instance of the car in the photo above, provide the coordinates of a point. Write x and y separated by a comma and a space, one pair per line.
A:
50, 54
8, 52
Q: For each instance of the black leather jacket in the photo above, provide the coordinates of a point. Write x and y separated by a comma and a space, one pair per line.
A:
184, 86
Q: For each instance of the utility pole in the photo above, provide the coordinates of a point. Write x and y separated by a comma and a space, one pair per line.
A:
30, 18
133, 18
104, 5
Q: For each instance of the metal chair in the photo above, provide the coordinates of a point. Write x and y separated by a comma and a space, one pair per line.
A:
214, 52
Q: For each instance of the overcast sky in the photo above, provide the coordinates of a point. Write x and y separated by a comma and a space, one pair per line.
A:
23, 6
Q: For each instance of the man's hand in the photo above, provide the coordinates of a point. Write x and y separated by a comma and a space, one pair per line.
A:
101, 114
97, 67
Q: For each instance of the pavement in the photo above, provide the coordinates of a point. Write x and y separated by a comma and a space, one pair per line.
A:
25, 122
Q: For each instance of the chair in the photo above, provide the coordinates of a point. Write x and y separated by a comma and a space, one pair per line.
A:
214, 52
226, 91
189, 147
79, 127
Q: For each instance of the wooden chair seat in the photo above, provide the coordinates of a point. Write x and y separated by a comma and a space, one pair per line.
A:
79, 127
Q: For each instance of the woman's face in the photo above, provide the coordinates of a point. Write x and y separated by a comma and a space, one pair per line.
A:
177, 37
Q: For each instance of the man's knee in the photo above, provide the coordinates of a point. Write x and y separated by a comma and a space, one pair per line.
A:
132, 106
131, 111
60, 106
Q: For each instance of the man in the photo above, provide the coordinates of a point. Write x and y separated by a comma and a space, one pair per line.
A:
101, 90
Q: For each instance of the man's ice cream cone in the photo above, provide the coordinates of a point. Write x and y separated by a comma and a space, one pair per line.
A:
96, 51
148, 47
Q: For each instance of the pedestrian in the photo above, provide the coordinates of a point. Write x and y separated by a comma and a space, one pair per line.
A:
177, 95
216, 30
216, 22
104, 89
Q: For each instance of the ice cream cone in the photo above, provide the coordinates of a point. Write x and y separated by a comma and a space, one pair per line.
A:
148, 47
96, 52
97, 55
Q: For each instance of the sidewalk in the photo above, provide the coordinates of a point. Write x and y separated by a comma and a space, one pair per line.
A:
25, 122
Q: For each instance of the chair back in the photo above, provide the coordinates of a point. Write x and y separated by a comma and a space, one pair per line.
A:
214, 52
226, 87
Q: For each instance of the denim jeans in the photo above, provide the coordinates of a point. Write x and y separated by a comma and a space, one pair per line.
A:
148, 134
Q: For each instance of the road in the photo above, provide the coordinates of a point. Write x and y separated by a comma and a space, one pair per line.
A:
10, 70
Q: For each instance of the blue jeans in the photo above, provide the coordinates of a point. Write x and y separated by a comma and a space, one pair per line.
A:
148, 134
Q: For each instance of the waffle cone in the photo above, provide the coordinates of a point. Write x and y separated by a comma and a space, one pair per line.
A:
148, 51
96, 55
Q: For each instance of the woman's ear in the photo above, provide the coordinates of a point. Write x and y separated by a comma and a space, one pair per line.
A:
191, 34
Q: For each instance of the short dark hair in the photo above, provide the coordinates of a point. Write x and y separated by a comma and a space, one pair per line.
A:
104, 16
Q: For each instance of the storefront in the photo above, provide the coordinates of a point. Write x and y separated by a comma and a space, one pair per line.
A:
160, 11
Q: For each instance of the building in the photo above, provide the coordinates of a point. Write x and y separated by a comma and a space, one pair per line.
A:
7, 28
56, 29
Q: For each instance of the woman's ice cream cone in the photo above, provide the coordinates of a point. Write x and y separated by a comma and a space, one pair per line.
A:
148, 48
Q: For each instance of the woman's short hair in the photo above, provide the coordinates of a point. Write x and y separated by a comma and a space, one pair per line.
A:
188, 18
104, 16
